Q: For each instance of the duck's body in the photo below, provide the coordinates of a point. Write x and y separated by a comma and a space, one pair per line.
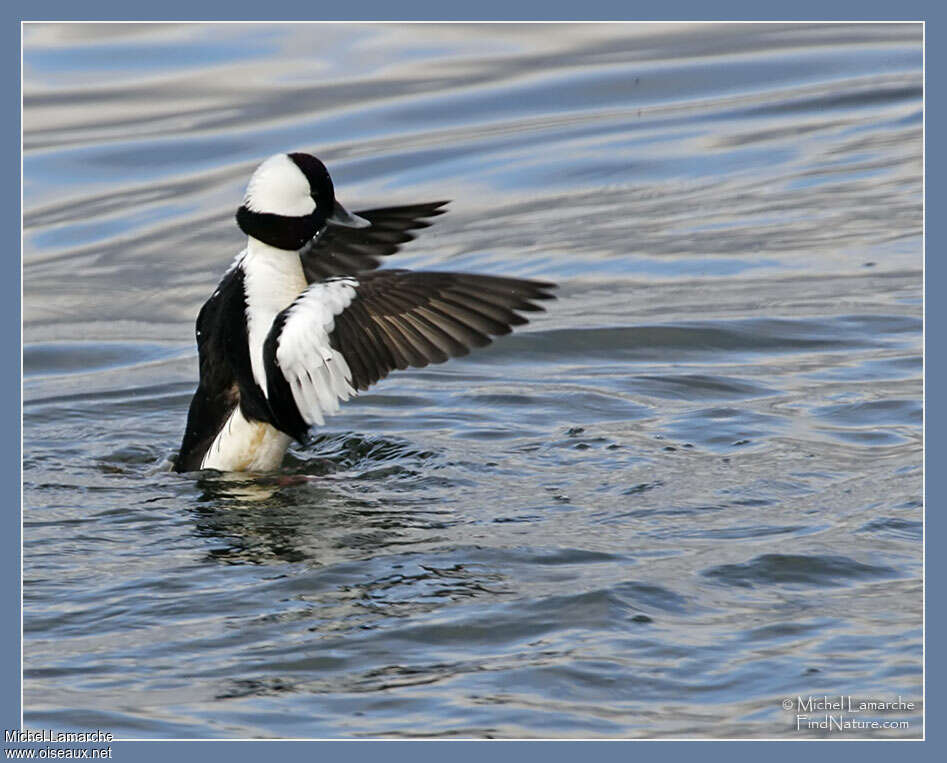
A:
271, 279
301, 320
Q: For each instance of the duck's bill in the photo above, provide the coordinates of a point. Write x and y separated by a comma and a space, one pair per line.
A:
341, 216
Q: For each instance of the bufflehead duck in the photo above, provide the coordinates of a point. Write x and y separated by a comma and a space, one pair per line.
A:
302, 320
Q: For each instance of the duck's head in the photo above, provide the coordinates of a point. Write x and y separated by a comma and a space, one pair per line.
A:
290, 199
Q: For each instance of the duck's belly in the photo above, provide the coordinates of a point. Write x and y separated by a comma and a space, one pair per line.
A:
246, 446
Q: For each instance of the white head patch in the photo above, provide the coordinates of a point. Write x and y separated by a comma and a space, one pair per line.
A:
279, 187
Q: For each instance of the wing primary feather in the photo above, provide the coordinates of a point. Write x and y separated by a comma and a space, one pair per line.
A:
447, 343
461, 331
402, 334
427, 348
375, 336
349, 251
474, 318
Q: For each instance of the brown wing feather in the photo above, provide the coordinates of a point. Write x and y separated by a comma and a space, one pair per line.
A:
347, 251
402, 318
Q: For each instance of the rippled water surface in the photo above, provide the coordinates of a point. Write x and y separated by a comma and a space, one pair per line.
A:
690, 489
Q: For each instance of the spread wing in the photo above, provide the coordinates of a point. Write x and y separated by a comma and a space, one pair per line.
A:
403, 318
347, 251
345, 334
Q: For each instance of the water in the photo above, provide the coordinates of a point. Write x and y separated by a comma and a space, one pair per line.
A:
688, 491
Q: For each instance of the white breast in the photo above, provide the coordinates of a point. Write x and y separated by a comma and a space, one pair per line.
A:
246, 446
273, 278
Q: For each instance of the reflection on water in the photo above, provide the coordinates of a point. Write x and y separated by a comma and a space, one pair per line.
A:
690, 489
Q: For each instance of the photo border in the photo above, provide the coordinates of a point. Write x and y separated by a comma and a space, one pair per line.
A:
10, 553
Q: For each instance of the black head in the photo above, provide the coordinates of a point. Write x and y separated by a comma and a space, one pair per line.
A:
290, 199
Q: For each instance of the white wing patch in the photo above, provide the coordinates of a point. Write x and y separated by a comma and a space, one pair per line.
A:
317, 374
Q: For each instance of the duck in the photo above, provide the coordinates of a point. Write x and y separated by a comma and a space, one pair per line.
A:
304, 319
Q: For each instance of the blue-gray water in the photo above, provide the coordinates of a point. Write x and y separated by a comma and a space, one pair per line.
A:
688, 491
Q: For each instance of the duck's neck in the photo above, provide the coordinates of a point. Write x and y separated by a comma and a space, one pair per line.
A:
284, 262
273, 278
